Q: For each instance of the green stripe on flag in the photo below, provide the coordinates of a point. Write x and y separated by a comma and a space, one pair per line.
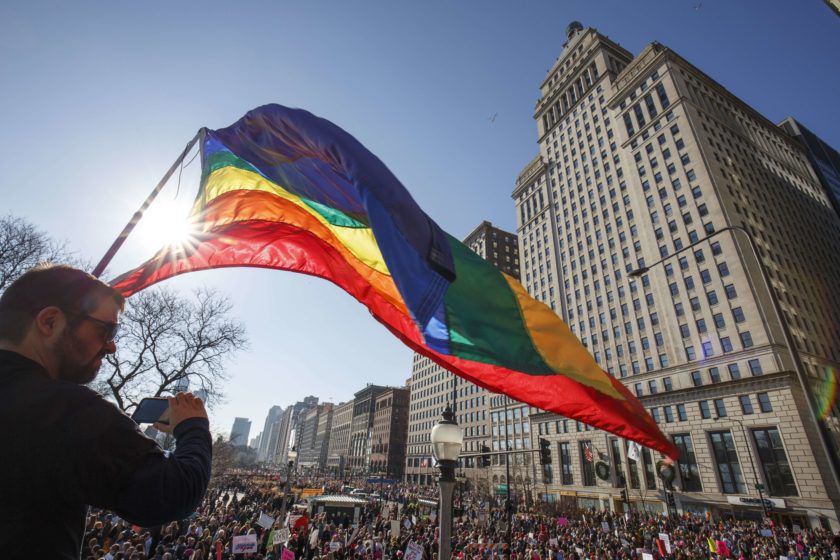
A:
484, 319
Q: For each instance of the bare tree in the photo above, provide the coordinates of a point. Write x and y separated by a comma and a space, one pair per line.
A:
168, 342
22, 246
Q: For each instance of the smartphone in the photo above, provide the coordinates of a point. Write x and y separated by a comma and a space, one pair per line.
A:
150, 410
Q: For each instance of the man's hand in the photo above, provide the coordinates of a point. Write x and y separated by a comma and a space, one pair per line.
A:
181, 407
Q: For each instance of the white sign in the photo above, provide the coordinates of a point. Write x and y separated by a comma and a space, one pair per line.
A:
766, 533
647, 556
796, 529
407, 524
605, 526
283, 536
756, 502
666, 540
292, 519
265, 521
243, 544
413, 551
552, 541
335, 546
433, 515
395, 528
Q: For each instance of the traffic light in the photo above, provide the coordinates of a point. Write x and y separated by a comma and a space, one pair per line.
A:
624, 496
670, 498
545, 452
485, 459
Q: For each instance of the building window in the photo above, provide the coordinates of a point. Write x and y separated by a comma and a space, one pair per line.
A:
723, 269
755, 367
681, 413
725, 344
566, 464
746, 339
696, 378
638, 388
720, 408
652, 386
666, 383
714, 375
689, 353
729, 470
669, 414
764, 402
734, 371
731, 292
586, 467
689, 473
738, 315
707, 349
704, 410
774, 463
746, 404
650, 476
548, 476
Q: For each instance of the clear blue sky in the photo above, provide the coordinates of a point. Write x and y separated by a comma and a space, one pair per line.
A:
98, 98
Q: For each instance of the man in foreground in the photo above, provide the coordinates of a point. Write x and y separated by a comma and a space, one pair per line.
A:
65, 446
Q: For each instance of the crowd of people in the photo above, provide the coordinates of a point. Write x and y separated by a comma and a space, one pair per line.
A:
396, 524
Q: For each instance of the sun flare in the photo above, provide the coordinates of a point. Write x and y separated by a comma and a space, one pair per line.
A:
165, 223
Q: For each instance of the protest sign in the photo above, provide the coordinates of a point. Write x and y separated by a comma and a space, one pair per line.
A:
243, 544
552, 541
413, 551
563, 521
766, 533
395, 528
287, 554
335, 546
605, 526
647, 556
265, 521
666, 540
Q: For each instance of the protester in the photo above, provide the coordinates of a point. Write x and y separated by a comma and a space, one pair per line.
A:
69, 448
234, 506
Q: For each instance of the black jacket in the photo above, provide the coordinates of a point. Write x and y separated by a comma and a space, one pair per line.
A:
65, 447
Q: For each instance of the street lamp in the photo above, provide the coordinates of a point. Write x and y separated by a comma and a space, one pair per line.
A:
447, 439
791, 347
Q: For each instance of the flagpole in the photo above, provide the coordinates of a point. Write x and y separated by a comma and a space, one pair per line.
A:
129, 227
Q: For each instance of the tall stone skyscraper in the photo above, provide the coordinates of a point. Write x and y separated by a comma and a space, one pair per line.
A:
647, 158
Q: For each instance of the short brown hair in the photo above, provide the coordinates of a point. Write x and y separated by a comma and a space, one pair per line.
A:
48, 285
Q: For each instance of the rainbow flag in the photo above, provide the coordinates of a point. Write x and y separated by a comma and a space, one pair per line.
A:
284, 189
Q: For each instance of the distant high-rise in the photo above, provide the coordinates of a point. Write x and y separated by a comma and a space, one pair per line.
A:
641, 159
268, 443
240, 430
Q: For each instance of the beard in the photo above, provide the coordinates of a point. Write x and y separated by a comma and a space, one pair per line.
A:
74, 367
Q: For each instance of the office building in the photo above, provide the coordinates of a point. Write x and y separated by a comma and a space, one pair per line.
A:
339, 444
358, 456
389, 432
824, 159
268, 441
640, 158
240, 431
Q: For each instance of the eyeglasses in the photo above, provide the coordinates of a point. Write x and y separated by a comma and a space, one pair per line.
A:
109, 329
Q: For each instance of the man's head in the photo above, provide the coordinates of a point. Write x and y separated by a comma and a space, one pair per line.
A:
63, 318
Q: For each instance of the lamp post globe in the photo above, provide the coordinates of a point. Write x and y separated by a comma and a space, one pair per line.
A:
447, 439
